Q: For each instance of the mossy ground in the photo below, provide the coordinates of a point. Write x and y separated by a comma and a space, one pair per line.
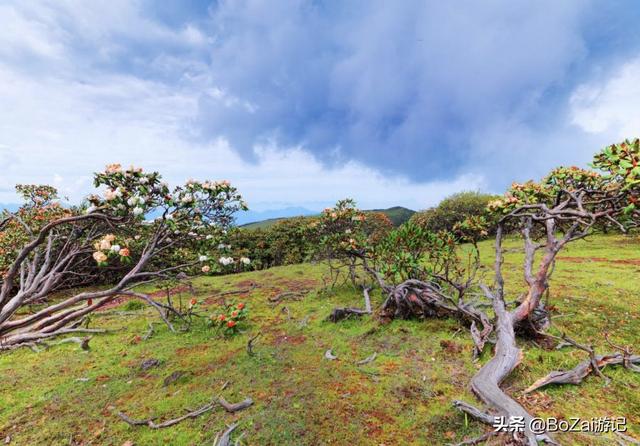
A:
402, 398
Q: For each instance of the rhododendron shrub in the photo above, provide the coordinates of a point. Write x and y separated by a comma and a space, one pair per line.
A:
230, 320
341, 240
620, 164
40, 208
113, 231
412, 252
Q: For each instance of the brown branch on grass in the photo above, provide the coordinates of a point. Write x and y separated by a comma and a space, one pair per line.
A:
582, 370
150, 422
338, 314
224, 438
368, 359
251, 287
293, 295
481, 439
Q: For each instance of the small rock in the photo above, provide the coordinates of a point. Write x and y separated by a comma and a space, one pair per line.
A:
173, 377
149, 363
329, 355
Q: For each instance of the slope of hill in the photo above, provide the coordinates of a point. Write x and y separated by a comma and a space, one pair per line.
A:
63, 395
396, 214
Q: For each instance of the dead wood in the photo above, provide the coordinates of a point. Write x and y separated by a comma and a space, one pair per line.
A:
293, 295
368, 359
329, 355
581, 371
150, 422
224, 438
338, 314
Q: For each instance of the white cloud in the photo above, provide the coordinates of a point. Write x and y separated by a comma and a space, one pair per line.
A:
64, 119
58, 131
610, 106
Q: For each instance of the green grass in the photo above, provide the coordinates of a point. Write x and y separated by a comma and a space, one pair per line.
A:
403, 397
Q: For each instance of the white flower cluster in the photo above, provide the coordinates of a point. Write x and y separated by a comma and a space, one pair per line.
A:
245, 260
111, 194
203, 258
225, 261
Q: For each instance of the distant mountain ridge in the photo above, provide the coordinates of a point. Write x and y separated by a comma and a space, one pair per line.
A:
397, 215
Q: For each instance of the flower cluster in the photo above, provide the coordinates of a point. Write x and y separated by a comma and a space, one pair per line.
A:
229, 319
108, 247
572, 179
521, 194
226, 261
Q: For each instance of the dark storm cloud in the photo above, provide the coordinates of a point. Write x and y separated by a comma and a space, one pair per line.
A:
414, 87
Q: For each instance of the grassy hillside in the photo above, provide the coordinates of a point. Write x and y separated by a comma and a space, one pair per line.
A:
63, 396
396, 214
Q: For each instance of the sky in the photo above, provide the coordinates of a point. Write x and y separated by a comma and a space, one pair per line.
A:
301, 103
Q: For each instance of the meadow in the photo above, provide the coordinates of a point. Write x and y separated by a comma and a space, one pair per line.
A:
66, 396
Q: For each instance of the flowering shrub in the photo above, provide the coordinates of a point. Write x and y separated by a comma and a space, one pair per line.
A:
107, 247
621, 165
41, 208
60, 245
230, 319
454, 209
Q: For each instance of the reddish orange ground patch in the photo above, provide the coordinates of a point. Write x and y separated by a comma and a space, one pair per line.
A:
293, 340
600, 259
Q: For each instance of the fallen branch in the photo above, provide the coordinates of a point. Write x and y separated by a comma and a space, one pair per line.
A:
82, 342
329, 355
150, 422
231, 408
582, 370
224, 438
481, 439
149, 333
338, 314
294, 295
251, 287
368, 359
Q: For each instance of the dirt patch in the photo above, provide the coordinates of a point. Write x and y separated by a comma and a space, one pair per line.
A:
600, 259
451, 346
194, 348
247, 284
302, 286
293, 340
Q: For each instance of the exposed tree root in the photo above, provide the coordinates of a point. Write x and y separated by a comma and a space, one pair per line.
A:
415, 298
486, 383
150, 422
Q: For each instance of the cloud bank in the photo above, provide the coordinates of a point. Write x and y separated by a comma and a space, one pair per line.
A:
304, 102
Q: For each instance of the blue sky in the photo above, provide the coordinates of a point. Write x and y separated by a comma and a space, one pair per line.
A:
300, 103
